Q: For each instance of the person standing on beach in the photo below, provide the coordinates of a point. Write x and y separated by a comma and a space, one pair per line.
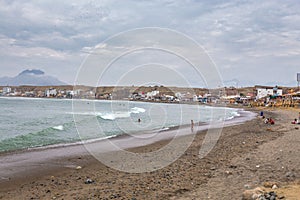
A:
192, 125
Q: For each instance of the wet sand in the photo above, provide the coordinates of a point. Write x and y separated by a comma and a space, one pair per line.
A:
222, 174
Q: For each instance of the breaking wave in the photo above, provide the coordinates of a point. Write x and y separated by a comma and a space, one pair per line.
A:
112, 115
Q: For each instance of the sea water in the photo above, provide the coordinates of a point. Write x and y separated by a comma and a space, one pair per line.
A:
30, 122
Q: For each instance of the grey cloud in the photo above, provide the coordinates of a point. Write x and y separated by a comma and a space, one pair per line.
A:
240, 36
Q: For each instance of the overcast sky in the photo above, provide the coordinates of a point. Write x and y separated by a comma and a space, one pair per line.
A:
250, 42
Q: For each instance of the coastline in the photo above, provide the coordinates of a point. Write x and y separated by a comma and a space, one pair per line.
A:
182, 179
43, 154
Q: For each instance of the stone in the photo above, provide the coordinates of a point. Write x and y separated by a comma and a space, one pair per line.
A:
254, 194
272, 198
274, 187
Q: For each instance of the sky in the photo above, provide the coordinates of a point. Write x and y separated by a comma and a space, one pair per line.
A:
248, 42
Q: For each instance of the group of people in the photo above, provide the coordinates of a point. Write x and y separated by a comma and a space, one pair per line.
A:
267, 120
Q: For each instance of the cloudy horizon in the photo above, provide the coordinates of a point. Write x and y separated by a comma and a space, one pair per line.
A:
250, 42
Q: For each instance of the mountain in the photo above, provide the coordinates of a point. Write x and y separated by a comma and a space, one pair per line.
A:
31, 77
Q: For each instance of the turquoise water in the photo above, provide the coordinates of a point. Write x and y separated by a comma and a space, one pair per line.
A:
28, 123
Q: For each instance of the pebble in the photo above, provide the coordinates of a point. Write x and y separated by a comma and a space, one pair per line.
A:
78, 167
228, 172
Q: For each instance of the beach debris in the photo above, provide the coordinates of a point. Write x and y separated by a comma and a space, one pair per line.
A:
257, 166
89, 181
78, 167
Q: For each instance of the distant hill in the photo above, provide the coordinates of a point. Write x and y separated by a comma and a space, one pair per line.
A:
31, 77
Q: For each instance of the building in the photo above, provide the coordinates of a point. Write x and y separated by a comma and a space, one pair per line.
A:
6, 90
266, 91
152, 95
51, 92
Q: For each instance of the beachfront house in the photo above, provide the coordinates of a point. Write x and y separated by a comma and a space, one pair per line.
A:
266, 91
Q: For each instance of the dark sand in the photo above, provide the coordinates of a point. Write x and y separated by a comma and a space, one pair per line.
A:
222, 174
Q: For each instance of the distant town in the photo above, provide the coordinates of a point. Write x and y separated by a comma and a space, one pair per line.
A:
257, 95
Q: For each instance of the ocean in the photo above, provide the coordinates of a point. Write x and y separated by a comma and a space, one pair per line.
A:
30, 123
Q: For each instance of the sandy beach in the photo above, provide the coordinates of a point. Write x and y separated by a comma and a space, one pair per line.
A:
246, 156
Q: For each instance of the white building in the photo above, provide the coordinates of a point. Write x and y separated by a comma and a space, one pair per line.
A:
265, 91
6, 90
51, 93
152, 94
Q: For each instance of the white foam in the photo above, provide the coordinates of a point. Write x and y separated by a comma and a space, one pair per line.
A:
137, 110
59, 128
164, 129
113, 116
